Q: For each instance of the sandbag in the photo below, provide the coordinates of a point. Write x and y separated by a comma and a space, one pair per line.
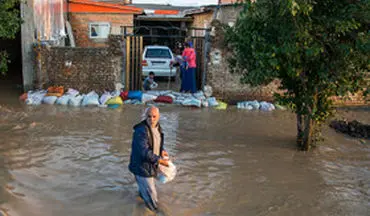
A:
63, 100
192, 102
49, 99
172, 96
147, 97
136, 102
164, 99
265, 106
212, 102
205, 103
156, 93
221, 105
199, 95
104, 98
177, 94
244, 105
165, 92
254, 104
35, 97
92, 98
166, 174
115, 93
280, 107
178, 102
72, 92
76, 101
115, 100
135, 95
129, 101
57, 91
208, 91
124, 95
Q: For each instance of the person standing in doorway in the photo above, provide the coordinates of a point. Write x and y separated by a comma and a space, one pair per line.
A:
147, 153
188, 77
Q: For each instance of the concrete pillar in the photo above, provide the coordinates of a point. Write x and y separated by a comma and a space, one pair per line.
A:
27, 32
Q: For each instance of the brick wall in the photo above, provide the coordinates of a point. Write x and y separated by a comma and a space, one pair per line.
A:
202, 20
84, 69
80, 26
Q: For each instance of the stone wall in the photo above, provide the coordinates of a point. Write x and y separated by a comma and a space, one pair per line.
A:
227, 86
80, 25
84, 69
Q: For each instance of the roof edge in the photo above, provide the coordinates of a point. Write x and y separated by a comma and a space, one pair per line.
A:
109, 5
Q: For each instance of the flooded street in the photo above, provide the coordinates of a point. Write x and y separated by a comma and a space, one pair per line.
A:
58, 161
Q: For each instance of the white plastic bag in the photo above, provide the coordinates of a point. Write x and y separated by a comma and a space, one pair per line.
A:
155, 93
265, 106
35, 97
115, 93
254, 104
49, 99
167, 174
212, 102
208, 91
147, 97
205, 103
199, 95
192, 102
63, 100
76, 101
72, 92
92, 98
104, 98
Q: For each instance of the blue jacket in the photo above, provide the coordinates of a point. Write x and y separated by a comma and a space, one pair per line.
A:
143, 162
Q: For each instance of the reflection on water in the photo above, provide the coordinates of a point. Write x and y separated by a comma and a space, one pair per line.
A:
73, 161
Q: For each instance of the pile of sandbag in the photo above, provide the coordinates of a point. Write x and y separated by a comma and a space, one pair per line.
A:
198, 99
72, 97
256, 105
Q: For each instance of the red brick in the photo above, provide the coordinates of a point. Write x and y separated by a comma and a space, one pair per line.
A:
80, 26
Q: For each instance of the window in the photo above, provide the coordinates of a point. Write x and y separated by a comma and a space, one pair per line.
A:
158, 53
99, 30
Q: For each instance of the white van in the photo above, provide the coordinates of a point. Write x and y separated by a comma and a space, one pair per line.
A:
158, 59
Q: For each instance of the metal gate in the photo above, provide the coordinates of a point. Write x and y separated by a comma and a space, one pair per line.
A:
133, 68
199, 47
134, 50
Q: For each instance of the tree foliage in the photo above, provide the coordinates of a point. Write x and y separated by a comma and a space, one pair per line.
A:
10, 23
317, 49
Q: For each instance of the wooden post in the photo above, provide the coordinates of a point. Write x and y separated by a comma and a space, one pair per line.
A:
128, 54
132, 70
205, 57
141, 59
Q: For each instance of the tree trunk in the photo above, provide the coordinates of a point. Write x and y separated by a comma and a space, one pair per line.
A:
299, 130
305, 128
308, 133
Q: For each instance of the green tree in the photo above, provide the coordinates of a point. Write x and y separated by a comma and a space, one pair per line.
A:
10, 23
317, 49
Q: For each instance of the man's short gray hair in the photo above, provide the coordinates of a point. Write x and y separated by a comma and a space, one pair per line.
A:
144, 115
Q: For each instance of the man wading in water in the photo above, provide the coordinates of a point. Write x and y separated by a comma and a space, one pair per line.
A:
147, 152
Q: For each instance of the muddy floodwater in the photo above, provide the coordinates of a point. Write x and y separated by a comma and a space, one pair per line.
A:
62, 161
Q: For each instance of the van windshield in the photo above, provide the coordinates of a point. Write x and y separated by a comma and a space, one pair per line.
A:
158, 53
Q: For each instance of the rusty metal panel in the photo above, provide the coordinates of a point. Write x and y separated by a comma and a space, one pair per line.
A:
134, 49
128, 65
